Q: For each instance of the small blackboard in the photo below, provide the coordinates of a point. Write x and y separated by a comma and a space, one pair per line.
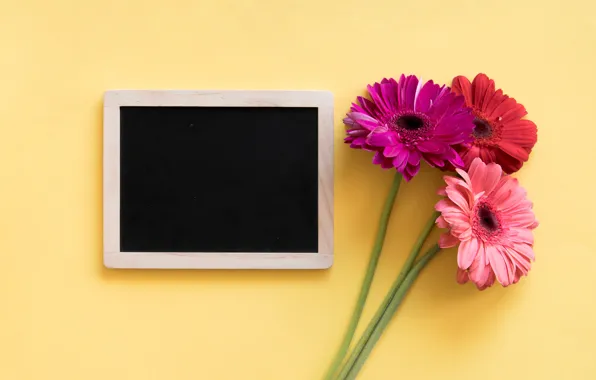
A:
218, 179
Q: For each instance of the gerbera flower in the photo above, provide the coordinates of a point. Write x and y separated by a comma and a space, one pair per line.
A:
500, 133
488, 214
407, 121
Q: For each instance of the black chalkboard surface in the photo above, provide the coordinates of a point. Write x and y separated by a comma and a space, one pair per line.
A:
218, 179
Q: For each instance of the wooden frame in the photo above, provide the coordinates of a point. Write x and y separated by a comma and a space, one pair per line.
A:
114, 258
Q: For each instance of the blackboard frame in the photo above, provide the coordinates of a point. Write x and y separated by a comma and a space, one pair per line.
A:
113, 257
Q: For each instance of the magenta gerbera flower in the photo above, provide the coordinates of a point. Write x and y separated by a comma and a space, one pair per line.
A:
407, 121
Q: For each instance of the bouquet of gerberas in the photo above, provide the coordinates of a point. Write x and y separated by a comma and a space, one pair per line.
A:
479, 134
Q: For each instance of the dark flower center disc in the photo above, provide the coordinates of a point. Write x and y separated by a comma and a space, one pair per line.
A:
482, 129
488, 220
410, 122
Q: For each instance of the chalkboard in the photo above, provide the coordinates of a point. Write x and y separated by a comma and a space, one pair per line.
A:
218, 179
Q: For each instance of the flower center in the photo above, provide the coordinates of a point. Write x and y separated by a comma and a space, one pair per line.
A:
409, 122
482, 129
487, 219
486, 223
410, 126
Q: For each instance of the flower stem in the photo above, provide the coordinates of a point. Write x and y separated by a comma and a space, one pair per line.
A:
389, 297
388, 315
367, 282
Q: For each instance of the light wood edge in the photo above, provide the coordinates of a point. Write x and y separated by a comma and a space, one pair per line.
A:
217, 260
113, 258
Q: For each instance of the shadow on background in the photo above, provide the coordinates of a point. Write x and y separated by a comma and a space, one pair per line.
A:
142, 276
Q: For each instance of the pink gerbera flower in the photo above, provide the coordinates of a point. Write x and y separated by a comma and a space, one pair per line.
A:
407, 121
488, 214
500, 133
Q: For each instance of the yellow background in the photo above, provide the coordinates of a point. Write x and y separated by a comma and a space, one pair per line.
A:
64, 316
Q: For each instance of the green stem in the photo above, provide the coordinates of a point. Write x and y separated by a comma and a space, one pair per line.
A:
396, 284
391, 309
366, 283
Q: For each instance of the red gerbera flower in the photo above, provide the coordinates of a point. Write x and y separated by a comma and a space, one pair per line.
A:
500, 133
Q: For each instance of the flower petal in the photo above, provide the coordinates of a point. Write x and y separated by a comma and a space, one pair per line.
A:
368, 107
484, 177
376, 95
446, 205
447, 240
383, 139
504, 107
426, 95
462, 86
521, 132
489, 282
515, 112
441, 223
465, 177
433, 147
434, 160
483, 259
386, 164
467, 253
508, 263
479, 272
410, 171
356, 143
514, 150
521, 262
520, 219
364, 120
409, 91
524, 250
414, 158
457, 161
357, 132
518, 274
492, 177
389, 91
480, 86
418, 88
465, 234
378, 158
350, 122
392, 150
488, 95
522, 235
457, 183
476, 165
502, 191
401, 160
462, 276
497, 263
458, 198
496, 99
